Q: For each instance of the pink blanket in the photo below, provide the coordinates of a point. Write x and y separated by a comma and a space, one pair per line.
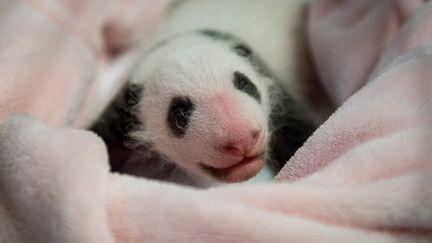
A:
69, 56
364, 176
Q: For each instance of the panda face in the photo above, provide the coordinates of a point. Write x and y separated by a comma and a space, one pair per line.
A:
205, 108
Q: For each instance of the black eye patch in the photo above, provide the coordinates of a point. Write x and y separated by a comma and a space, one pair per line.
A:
243, 83
179, 113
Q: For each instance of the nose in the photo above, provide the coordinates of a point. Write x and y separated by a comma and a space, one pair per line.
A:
240, 144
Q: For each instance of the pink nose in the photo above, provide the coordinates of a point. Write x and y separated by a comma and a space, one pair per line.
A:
240, 145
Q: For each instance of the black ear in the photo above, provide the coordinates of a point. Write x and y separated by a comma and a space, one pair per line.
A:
291, 126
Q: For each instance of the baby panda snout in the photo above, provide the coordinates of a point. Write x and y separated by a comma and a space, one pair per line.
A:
239, 143
240, 129
240, 151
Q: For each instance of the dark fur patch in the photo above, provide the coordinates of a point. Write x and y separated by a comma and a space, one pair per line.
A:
243, 83
179, 113
120, 119
290, 126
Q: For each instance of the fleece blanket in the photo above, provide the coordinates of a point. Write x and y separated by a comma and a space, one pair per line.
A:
364, 176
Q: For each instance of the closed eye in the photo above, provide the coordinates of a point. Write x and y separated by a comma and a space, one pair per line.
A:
179, 113
181, 118
243, 83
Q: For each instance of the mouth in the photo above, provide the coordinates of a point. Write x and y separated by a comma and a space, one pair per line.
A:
243, 170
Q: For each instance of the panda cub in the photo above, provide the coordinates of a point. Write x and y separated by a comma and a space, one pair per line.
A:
202, 107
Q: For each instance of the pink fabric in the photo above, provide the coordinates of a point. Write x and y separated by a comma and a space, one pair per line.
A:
60, 177
63, 64
364, 176
348, 36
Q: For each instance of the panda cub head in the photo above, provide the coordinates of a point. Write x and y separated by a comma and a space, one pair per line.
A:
204, 102
204, 106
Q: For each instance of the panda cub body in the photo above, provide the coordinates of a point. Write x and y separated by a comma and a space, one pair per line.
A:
206, 102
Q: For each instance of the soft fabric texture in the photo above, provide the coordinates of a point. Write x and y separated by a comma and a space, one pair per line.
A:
62, 61
364, 176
